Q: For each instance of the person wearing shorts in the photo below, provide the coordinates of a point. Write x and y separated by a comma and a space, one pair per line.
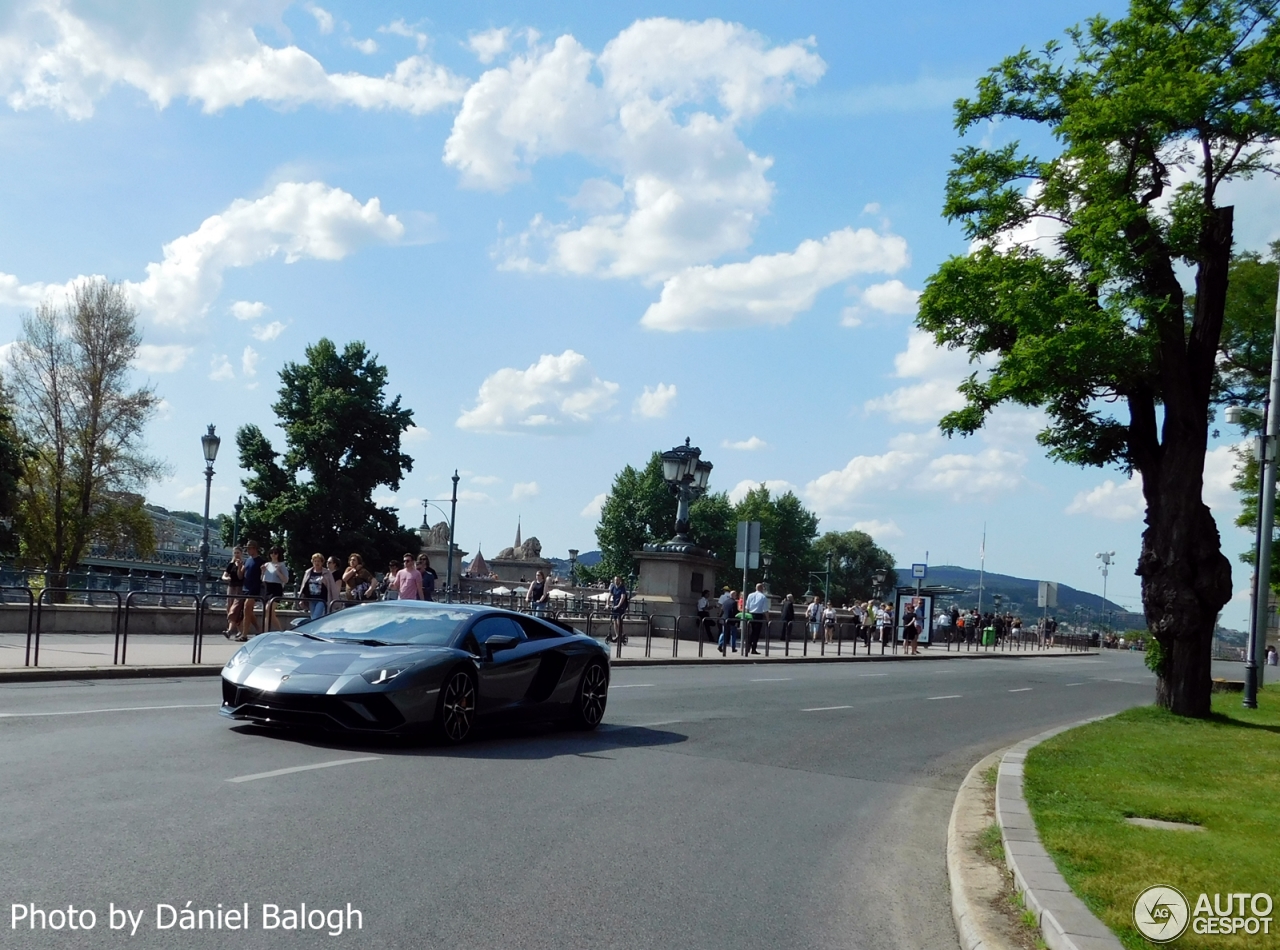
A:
618, 600
275, 574
252, 587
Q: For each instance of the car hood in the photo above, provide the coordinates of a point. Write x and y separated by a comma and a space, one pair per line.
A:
289, 661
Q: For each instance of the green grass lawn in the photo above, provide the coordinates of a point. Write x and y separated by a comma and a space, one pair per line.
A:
1222, 773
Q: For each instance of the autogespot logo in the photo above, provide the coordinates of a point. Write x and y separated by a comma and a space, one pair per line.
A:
1160, 913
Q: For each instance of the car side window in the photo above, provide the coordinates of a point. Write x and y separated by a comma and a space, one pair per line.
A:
488, 627
536, 630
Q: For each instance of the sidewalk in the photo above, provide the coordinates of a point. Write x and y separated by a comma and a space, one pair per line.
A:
71, 656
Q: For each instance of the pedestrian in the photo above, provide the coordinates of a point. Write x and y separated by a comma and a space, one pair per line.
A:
728, 622
386, 585
813, 614
910, 630
357, 583
828, 623
704, 614
787, 616
233, 574
275, 574
538, 597
885, 620
407, 582
758, 607
944, 626
318, 587
1272, 657
429, 577
252, 589
619, 599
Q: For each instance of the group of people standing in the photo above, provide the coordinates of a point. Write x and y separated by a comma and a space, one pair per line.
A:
250, 578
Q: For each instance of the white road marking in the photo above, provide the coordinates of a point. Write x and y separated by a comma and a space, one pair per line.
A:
628, 685
87, 712
773, 679
825, 708
873, 674
1075, 684
955, 696
647, 725
1024, 689
303, 768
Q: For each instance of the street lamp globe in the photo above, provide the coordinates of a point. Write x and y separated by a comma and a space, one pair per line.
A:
210, 442
687, 476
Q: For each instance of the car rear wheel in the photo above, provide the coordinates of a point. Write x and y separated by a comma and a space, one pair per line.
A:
593, 694
456, 715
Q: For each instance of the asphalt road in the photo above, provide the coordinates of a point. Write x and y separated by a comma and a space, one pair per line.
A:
733, 807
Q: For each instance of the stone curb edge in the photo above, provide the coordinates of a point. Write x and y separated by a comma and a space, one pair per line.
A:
1065, 921
25, 674
965, 908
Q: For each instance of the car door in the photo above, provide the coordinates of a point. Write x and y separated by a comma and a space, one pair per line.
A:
505, 674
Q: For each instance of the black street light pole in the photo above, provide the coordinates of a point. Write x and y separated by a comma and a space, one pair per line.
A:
453, 517
573, 567
209, 442
235, 523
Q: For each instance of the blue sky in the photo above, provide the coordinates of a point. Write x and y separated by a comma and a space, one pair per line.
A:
575, 233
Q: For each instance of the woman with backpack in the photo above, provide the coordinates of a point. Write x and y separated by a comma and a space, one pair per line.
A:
318, 587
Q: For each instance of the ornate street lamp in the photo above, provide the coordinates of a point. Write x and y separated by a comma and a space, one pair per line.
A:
766, 557
686, 475
877, 583
235, 523
209, 442
573, 567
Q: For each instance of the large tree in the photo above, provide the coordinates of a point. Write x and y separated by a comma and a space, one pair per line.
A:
787, 530
81, 422
342, 441
855, 558
1152, 114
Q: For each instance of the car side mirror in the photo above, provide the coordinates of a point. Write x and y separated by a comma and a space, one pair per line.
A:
498, 642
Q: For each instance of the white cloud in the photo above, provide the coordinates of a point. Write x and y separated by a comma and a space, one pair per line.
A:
592, 509
771, 289
940, 368
664, 116
656, 402
753, 444
837, 490
776, 487
368, 47
1115, 501
1220, 469
400, 28
880, 530
554, 393
474, 497
206, 52
851, 317
415, 435
892, 296
244, 310
249, 361
597, 195
324, 19
486, 480
489, 44
267, 332
988, 472
153, 358
523, 490
220, 368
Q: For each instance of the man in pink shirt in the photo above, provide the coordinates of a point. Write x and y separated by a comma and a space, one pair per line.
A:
409, 581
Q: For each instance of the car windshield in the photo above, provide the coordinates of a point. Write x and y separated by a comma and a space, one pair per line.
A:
428, 626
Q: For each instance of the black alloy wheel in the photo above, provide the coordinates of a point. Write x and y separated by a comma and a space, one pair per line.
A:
593, 694
456, 715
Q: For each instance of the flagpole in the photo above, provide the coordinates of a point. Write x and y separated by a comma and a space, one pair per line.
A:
982, 567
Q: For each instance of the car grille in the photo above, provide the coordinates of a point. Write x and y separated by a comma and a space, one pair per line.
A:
367, 712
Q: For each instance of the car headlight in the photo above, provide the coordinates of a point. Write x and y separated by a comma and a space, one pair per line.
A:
385, 674
238, 659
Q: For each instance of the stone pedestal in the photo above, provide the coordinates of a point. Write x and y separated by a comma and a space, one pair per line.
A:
435, 545
519, 570
671, 583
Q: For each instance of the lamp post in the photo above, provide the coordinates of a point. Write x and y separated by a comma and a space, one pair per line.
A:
1106, 558
686, 475
453, 517
573, 567
209, 442
826, 581
235, 524
766, 558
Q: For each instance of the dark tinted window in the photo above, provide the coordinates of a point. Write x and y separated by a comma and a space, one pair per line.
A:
488, 627
535, 630
429, 626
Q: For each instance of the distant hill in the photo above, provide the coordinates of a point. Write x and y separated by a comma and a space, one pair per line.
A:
1019, 594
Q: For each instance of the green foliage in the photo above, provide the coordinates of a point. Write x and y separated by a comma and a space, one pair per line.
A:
855, 557
13, 460
641, 510
81, 425
1151, 114
342, 441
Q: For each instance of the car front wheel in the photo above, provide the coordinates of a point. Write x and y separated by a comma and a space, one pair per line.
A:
456, 715
593, 694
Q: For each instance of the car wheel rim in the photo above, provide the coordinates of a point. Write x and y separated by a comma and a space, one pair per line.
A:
595, 690
459, 705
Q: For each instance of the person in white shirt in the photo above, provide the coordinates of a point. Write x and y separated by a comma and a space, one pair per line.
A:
828, 624
813, 614
758, 606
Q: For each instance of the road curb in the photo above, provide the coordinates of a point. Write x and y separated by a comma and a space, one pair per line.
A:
1065, 921
45, 674
967, 872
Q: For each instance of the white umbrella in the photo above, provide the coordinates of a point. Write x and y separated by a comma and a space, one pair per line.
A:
599, 597
521, 590
501, 590
560, 594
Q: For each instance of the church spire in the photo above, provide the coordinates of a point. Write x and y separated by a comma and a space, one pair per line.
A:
517, 544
